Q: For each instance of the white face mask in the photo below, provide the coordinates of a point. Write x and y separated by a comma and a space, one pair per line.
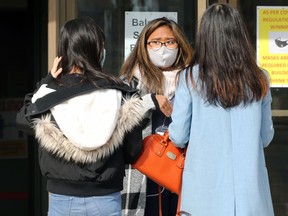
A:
163, 57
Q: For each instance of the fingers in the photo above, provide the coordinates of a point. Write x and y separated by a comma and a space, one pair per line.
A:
56, 74
55, 71
167, 109
165, 105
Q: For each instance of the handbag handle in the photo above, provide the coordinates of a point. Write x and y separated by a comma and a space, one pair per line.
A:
166, 138
161, 149
163, 144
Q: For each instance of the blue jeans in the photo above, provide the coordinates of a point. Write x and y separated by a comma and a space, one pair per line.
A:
108, 205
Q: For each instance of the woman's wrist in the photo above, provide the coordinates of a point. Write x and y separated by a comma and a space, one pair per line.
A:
153, 97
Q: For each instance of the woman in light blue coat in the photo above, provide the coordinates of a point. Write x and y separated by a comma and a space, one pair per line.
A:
222, 111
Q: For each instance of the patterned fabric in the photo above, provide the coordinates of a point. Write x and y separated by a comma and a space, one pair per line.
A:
134, 193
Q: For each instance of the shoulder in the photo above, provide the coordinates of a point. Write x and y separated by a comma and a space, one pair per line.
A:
41, 92
191, 73
267, 75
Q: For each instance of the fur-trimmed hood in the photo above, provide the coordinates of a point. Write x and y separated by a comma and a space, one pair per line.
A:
52, 139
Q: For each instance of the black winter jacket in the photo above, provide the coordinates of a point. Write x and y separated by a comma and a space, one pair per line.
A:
69, 169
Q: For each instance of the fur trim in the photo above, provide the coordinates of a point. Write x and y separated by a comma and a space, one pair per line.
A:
52, 139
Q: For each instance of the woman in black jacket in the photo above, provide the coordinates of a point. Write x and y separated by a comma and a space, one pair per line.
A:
87, 123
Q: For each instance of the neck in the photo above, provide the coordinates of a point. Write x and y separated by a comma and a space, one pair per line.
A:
76, 70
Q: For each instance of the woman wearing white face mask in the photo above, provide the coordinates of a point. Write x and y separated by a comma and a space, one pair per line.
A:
163, 54
161, 51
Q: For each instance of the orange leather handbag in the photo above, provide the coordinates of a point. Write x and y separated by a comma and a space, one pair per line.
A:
161, 161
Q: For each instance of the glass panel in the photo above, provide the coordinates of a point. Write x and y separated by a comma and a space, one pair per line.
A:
110, 15
248, 9
277, 151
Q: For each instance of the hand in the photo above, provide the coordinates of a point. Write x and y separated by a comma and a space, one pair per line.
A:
54, 72
164, 105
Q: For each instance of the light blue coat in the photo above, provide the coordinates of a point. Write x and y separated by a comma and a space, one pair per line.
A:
225, 172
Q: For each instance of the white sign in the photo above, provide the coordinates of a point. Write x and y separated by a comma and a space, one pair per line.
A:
134, 23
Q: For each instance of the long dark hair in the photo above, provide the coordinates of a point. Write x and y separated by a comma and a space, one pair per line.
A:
228, 72
81, 45
151, 74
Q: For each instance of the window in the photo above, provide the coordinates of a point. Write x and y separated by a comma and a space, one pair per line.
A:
110, 15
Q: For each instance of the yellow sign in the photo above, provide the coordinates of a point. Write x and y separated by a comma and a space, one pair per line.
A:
272, 43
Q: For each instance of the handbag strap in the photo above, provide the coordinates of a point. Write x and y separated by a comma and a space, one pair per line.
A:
160, 200
178, 213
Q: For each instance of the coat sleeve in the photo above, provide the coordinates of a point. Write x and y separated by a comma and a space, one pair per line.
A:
267, 129
23, 119
179, 128
132, 143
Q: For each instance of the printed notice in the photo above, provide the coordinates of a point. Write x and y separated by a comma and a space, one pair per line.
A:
272, 43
